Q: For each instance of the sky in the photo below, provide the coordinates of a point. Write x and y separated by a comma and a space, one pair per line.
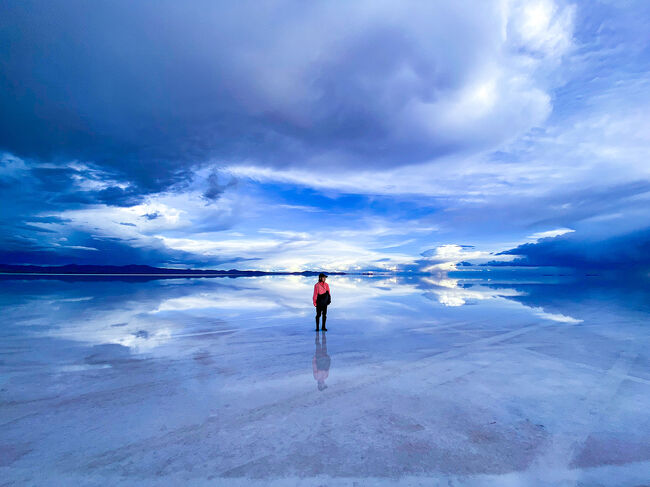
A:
289, 136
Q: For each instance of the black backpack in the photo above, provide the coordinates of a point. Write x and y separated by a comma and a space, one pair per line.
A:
324, 299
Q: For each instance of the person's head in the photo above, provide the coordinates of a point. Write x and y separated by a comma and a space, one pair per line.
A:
322, 277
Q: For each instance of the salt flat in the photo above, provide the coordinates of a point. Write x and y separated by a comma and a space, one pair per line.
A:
424, 381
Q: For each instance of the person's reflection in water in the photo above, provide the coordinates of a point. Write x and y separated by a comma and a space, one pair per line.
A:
321, 362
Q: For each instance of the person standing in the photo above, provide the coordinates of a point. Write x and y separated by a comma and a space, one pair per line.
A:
321, 299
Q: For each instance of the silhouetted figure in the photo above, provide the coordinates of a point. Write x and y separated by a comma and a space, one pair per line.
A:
321, 299
321, 362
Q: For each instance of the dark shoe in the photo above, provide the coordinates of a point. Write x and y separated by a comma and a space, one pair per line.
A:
324, 329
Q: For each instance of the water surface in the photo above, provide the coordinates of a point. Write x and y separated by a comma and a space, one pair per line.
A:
221, 381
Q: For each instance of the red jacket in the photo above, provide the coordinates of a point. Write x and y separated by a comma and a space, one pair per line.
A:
320, 288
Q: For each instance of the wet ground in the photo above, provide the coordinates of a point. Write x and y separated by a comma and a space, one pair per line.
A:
219, 381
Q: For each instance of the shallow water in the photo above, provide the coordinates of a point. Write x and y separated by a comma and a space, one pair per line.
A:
213, 381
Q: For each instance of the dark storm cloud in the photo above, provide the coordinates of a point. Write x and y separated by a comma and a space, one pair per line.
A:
57, 185
116, 196
53, 179
111, 196
215, 188
629, 251
29, 234
149, 89
150, 216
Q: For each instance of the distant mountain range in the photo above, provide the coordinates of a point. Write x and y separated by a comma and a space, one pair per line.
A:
142, 270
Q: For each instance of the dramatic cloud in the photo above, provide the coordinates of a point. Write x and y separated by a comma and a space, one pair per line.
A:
630, 252
346, 135
151, 89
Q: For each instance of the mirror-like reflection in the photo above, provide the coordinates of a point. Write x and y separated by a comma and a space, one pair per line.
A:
321, 361
499, 380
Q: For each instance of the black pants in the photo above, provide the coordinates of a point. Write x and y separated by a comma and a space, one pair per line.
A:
321, 309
